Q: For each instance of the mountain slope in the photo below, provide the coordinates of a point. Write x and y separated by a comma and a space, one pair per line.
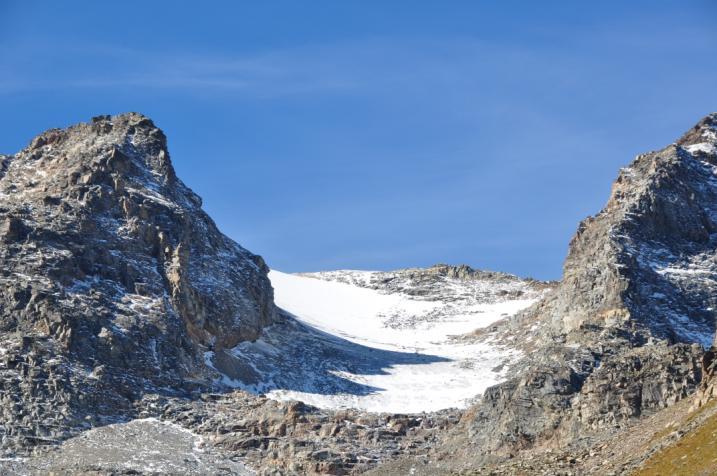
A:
636, 302
123, 302
381, 341
647, 260
622, 335
113, 280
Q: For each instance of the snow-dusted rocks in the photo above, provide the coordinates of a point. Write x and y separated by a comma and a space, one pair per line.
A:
119, 300
647, 260
382, 341
113, 281
622, 334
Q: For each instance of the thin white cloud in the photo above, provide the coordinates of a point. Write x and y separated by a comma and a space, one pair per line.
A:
457, 69
370, 63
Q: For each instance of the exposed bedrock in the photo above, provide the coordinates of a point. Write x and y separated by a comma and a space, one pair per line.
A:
113, 280
623, 334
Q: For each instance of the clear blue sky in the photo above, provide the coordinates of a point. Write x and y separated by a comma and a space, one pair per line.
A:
376, 134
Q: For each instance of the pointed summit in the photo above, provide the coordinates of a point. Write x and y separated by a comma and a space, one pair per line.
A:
701, 140
114, 282
112, 139
647, 259
623, 334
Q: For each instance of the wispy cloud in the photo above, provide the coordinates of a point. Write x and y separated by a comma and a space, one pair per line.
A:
275, 73
409, 64
416, 65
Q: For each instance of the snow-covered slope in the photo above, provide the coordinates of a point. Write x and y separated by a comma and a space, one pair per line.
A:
382, 342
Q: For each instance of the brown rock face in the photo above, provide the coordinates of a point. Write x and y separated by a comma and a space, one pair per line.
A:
111, 271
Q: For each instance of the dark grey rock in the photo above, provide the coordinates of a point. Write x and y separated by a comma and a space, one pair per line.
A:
113, 281
115, 287
623, 333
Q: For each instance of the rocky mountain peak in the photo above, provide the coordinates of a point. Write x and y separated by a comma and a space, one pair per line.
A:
113, 272
622, 335
111, 181
121, 137
646, 261
701, 140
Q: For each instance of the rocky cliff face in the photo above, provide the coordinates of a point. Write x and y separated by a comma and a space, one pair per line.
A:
647, 260
622, 335
117, 290
113, 281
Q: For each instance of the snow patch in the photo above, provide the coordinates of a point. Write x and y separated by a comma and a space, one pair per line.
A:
704, 147
349, 346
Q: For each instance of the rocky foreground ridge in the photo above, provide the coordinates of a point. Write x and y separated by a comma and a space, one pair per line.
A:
117, 287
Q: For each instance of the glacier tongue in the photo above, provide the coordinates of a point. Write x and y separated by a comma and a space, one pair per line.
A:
351, 342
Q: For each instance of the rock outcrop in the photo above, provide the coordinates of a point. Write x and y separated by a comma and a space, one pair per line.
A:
118, 291
622, 336
439, 283
647, 262
707, 391
113, 281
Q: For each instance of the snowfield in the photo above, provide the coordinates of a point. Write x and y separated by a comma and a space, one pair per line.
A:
348, 345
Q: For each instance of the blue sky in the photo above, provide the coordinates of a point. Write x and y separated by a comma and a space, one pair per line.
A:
376, 134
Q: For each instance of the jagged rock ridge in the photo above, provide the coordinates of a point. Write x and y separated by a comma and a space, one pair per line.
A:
647, 259
620, 338
113, 280
624, 330
622, 335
